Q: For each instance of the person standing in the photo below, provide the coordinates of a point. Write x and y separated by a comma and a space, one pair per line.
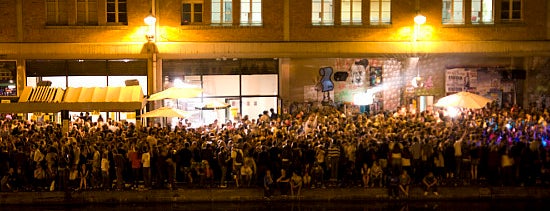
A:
133, 157
146, 166
119, 168
105, 171
268, 184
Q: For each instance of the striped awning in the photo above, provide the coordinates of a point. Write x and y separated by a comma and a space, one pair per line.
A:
51, 99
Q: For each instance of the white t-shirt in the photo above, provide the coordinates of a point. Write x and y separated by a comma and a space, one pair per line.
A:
146, 160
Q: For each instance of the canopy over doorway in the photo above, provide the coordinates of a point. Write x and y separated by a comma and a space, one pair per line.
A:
52, 100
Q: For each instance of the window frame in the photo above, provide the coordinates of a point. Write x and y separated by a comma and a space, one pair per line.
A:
193, 13
117, 12
481, 11
59, 12
90, 17
351, 12
381, 12
510, 12
225, 15
250, 20
323, 13
452, 20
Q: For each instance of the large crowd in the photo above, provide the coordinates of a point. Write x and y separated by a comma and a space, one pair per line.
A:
287, 152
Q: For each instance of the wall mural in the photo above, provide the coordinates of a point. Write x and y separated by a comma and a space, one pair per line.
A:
372, 78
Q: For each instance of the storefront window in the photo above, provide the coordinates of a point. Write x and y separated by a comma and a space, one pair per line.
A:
87, 81
254, 106
57, 81
221, 85
121, 81
249, 86
259, 84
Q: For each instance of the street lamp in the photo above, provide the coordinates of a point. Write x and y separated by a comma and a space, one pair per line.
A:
419, 19
150, 20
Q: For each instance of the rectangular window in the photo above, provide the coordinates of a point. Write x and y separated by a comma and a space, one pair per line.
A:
86, 12
251, 12
482, 11
191, 13
380, 12
351, 12
116, 12
222, 11
56, 13
511, 10
322, 13
453, 12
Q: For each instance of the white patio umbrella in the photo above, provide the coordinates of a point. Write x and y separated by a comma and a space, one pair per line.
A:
214, 105
463, 100
176, 93
165, 112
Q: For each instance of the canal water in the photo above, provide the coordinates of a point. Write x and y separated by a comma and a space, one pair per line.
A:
304, 206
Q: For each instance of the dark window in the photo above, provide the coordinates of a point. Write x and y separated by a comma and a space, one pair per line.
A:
191, 13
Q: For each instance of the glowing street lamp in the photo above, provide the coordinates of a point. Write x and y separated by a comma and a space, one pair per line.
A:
150, 20
420, 19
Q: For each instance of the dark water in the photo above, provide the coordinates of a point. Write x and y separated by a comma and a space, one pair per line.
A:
305, 206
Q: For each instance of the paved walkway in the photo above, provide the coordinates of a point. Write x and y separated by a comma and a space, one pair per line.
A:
256, 194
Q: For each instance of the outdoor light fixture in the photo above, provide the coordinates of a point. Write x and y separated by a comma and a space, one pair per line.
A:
420, 19
150, 20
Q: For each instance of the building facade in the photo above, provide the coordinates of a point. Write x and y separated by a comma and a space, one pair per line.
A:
260, 54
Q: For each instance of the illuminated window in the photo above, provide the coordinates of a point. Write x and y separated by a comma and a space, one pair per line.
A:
453, 12
86, 12
116, 12
191, 13
380, 12
511, 10
351, 12
322, 13
56, 12
482, 11
222, 11
251, 12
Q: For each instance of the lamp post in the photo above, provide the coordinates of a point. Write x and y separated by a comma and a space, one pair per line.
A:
419, 19
152, 51
150, 20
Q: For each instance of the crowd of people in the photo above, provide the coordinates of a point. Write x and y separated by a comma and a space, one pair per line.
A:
283, 153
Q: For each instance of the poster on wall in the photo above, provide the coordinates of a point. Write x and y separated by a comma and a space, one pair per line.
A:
8, 78
375, 76
460, 80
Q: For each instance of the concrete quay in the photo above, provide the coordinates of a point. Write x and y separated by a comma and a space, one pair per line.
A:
233, 195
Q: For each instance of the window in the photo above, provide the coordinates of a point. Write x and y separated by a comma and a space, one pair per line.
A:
511, 10
222, 11
116, 12
322, 12
86, 12
56, 13
191, 13
351, 11
380, 12
482, 11
453, 12
251, 12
